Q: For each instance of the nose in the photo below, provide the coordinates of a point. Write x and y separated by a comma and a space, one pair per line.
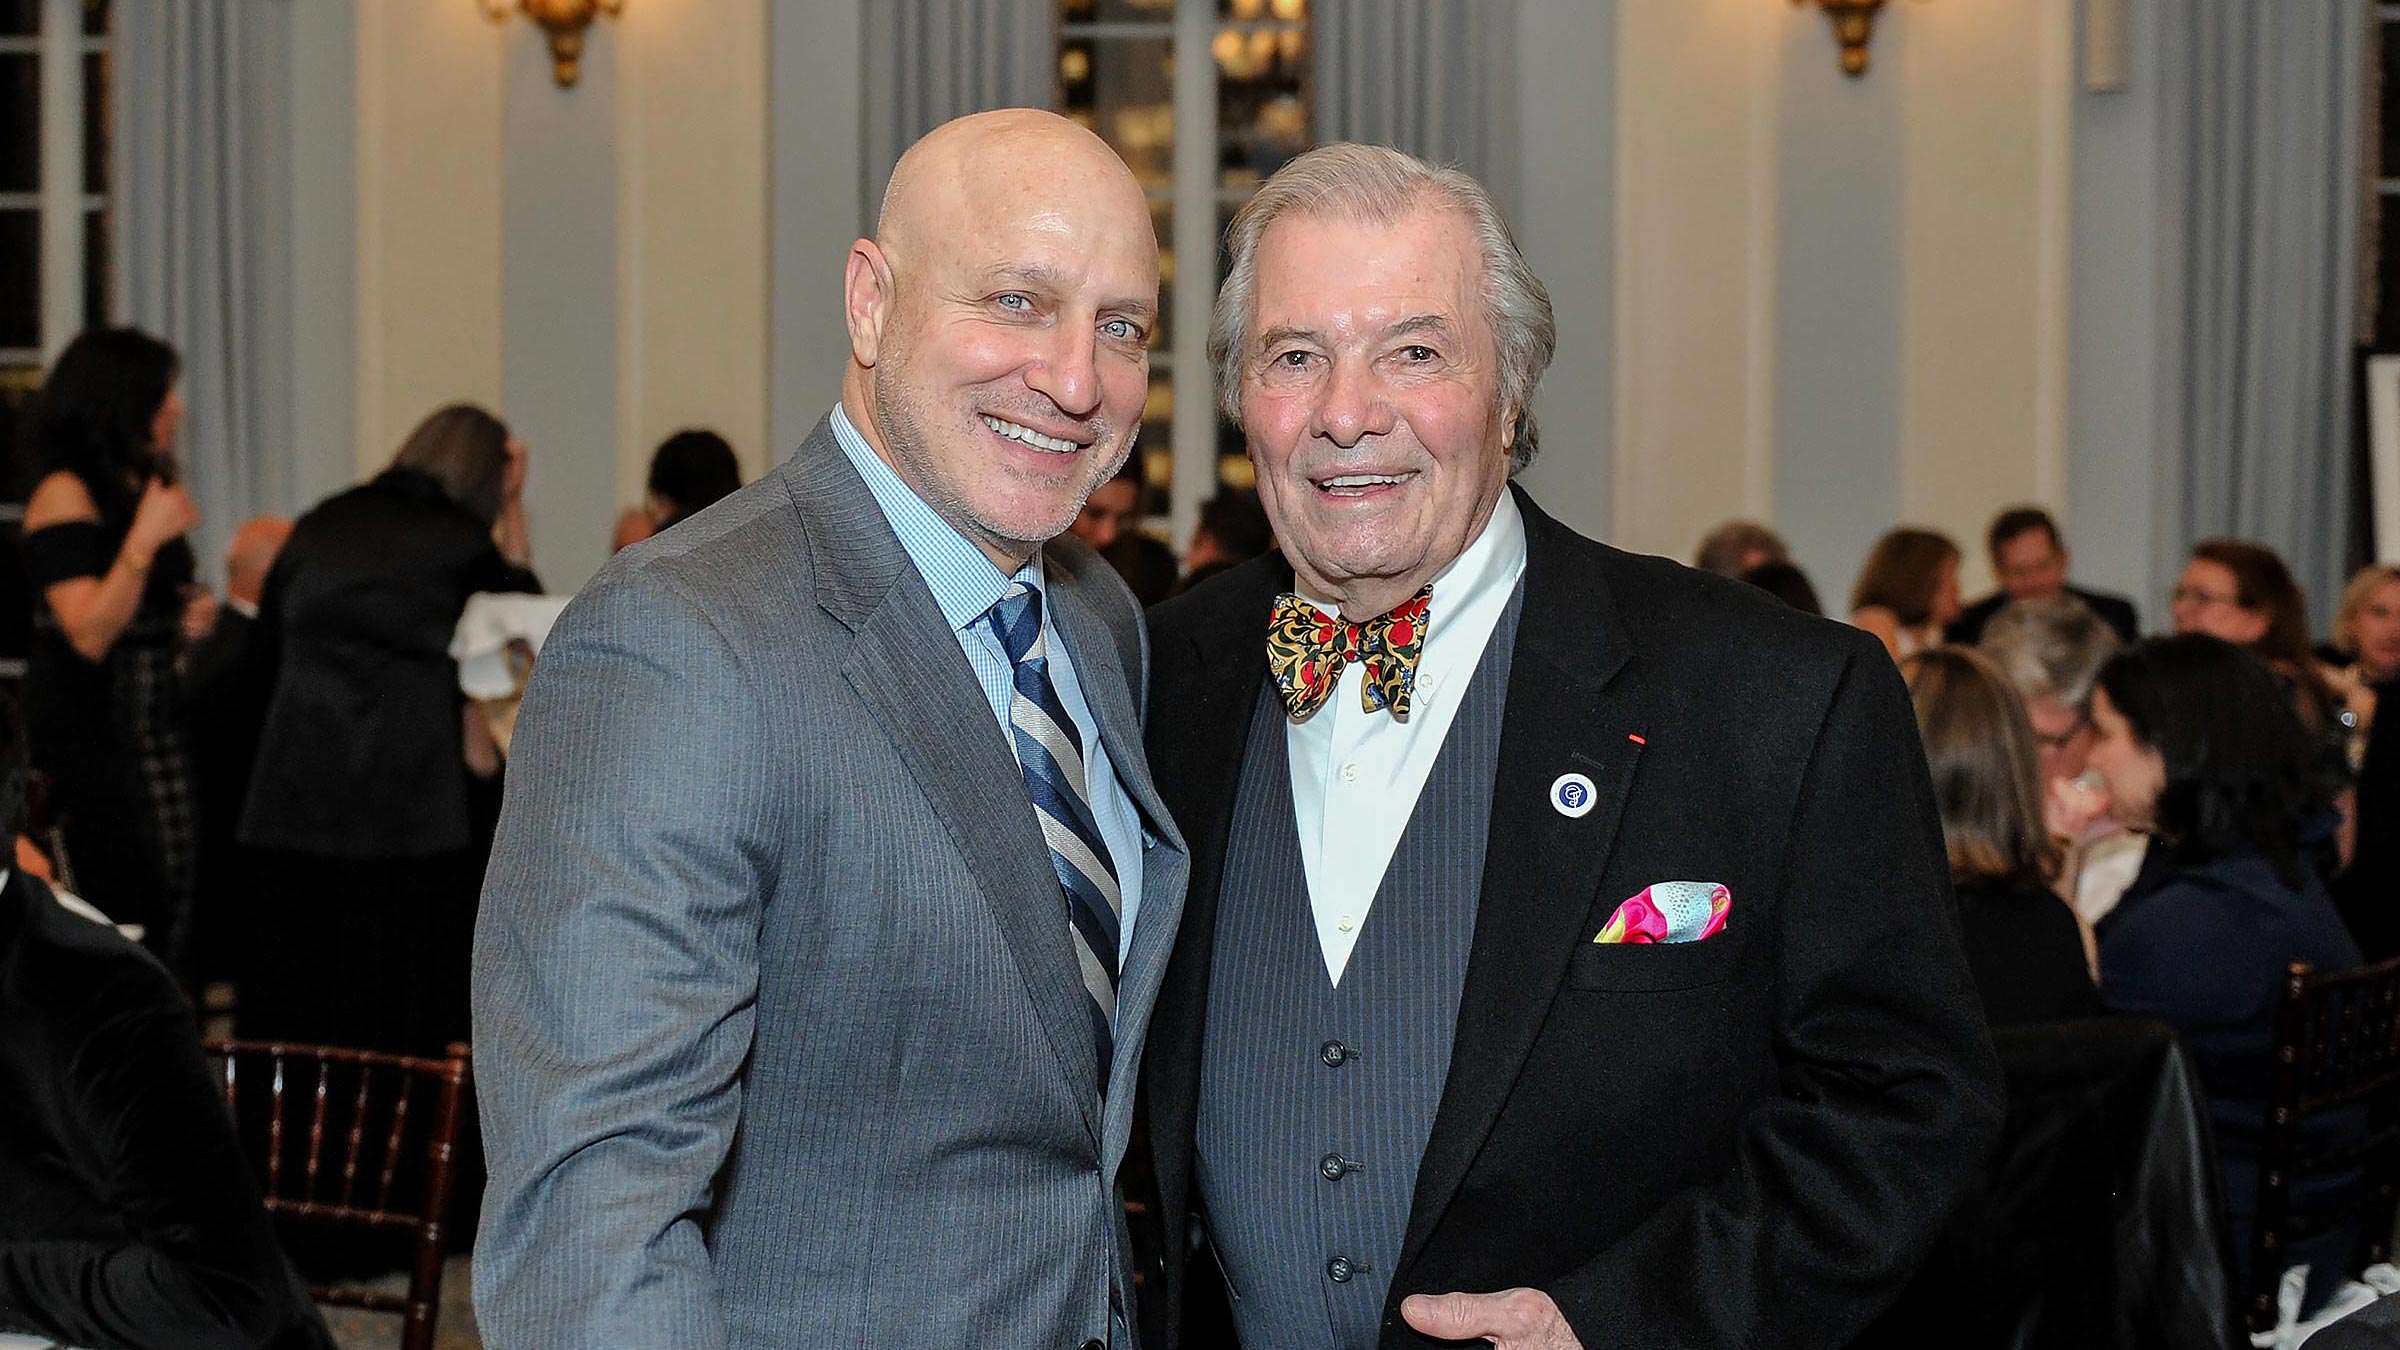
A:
1353, 406
1068, 374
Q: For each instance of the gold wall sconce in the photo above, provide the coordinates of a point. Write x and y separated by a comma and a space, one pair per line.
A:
1853, 27
564, 21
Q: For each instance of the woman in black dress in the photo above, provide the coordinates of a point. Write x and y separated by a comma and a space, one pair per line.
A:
2031, 957
370, 800
105, 550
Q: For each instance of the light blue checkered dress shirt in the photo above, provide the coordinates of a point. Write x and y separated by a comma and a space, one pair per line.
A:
966, 585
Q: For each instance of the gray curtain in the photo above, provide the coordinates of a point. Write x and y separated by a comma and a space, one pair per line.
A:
928, 61
1427, 76
2261, 116
202, 185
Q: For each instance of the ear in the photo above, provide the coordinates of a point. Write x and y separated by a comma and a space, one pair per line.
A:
866, 301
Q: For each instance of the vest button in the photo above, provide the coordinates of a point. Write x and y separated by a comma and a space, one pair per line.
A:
1335, 1054
1339, 1270
1333, 1167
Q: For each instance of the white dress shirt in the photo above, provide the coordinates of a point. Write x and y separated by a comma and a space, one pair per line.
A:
1356, 774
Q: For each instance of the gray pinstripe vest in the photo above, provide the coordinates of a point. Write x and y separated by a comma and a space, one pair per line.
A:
1316, 1099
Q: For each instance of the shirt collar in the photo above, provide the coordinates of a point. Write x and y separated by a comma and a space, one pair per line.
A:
964, 582
1491, 562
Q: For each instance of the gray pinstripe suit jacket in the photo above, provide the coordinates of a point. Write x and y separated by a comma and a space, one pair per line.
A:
779, 1038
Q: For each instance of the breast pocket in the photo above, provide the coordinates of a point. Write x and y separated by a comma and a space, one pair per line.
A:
1654, 967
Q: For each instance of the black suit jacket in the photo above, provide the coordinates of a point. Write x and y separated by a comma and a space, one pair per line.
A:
1744, 1142
360, 754
128, 1217
2114, 610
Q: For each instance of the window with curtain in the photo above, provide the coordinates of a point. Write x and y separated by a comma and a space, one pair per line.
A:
1139, 73
54, 207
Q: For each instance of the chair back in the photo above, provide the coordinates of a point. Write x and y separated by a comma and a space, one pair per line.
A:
2337, 1048
2093, 1222
357, 1141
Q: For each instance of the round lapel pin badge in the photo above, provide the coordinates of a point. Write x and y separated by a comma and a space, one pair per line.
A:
1573, 795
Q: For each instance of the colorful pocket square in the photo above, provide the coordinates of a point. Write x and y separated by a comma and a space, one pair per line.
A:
1670, 911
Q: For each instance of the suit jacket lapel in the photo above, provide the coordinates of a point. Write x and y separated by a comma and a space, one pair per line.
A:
1108, 691
908, 671
1572, 708
1202, 701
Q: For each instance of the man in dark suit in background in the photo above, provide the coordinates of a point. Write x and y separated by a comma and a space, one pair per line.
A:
1569, 956
128, 1217
2029, 557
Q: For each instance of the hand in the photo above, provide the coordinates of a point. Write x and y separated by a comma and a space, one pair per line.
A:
199, 612
166, 513
1513, 1319
2072, 806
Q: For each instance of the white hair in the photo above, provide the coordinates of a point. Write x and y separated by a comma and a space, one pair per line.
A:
1379, 185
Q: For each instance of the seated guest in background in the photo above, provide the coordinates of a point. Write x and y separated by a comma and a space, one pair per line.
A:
1786, 582
2051, 649
2032, 958
2365, 652
1740, 546
105, 550
227, 699
2201, 747
1113, 509
367, 839
689, 471
1907, 590
2029, 557
1232, 530
2242, 592
128, 1217
2368, 890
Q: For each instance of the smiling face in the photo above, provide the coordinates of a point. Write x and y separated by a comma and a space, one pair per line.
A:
1000, 325
1371, 401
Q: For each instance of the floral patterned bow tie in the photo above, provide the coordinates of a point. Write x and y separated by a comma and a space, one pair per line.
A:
1307, 648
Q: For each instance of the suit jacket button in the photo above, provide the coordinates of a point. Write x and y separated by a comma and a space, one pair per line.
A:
1335, 1054
1339, 1270
1333, 1167
1095, 1344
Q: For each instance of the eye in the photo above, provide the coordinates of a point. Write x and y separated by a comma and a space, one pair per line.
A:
1291, 360
1419, 352
1013, 300
1123, 330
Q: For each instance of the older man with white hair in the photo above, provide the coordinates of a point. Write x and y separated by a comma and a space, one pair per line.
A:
1569, 957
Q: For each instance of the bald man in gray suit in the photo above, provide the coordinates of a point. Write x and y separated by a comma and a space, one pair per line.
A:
832, 893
